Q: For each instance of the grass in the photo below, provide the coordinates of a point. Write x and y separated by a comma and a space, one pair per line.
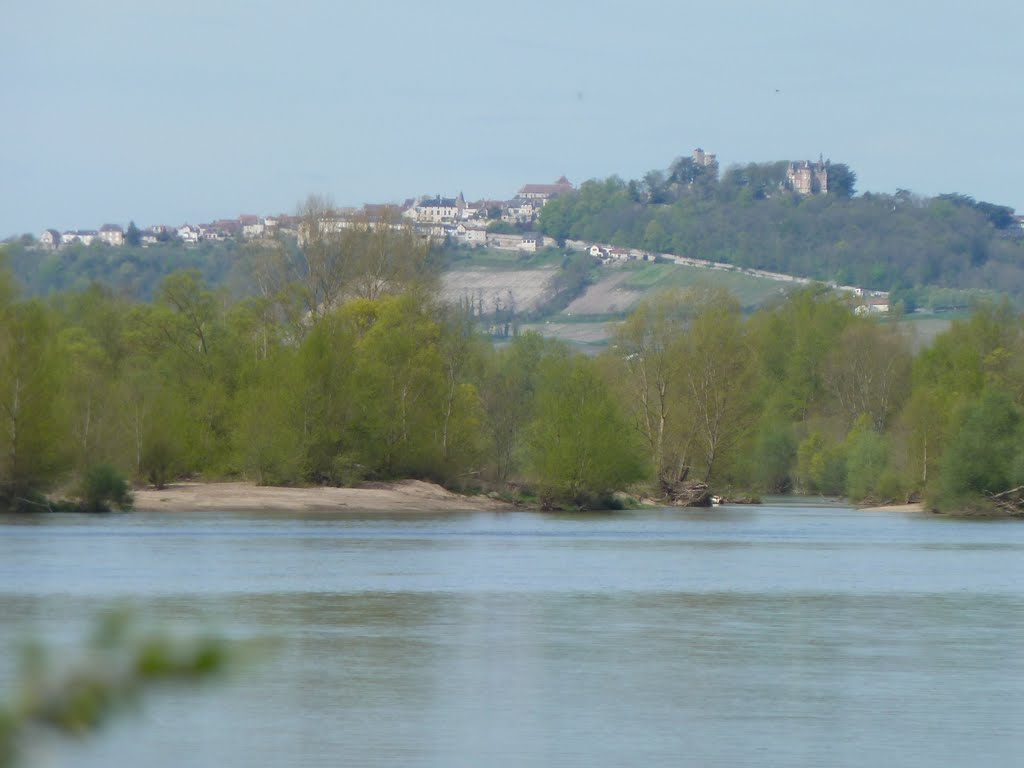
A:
751, 291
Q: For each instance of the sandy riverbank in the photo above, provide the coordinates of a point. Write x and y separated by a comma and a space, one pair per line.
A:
404, 496
915, 507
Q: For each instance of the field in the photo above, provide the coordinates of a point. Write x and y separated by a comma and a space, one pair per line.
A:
500, 278
523, 288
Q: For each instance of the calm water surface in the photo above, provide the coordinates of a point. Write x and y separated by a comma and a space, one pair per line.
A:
782, 635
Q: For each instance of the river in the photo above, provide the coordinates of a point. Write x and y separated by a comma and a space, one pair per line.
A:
791, 634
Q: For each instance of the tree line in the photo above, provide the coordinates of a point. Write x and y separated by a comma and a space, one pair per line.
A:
345, 367
900, 242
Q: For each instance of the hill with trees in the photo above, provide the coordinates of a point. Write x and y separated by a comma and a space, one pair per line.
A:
748, 217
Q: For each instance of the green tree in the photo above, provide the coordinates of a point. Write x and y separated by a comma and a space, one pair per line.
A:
32, 417
650, 346
867, 456
984, 456
133, 236
508, 395
842, 181
579, 444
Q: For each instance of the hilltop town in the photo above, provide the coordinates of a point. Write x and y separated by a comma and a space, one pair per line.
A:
656, 219
453, 219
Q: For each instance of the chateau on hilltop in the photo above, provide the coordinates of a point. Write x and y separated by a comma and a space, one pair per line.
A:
806, 178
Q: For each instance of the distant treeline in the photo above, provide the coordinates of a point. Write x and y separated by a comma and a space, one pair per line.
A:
747, 217
346, 368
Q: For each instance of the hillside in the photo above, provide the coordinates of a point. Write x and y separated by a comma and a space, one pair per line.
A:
749, 217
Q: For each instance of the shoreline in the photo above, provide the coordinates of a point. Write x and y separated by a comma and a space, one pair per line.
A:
399, 496
416, 496
916, 506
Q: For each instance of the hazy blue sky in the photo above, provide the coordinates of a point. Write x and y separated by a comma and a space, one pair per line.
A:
191, 110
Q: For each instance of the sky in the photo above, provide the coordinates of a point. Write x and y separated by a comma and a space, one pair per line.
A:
175, 111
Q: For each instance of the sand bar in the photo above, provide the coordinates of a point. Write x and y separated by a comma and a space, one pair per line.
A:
914, 507
403, 496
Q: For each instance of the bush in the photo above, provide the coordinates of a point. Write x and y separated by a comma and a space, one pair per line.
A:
103, 488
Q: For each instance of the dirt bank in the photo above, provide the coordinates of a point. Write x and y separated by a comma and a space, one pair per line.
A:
404, 496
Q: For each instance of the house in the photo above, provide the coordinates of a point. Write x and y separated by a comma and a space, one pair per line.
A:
503, 242
470, 235
598, 252
530, 242
213, 233
485, 208
545, 192
620, 254
83, 236
873, 305
521, 210
189, 234
112, 234
50, 239
437, 210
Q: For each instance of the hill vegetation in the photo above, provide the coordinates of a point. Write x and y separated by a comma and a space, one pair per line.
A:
902, 243
346, 368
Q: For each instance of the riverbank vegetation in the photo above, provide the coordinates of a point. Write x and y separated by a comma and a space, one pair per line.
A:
347, 369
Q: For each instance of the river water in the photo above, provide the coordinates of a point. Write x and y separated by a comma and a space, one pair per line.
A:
791, 634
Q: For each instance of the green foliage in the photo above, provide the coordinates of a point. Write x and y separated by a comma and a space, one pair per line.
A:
821, 466
384, 383
102, 489
985, 454
748, 219
773, 453
579, 445
866, 458
121, 662
33, 449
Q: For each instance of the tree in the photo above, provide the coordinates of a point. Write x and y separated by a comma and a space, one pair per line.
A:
133, 235
579, 446
717, 377
842, 181
32, 418
649, 345
319, 269
385, 257
984, 456
868, 373
508, 393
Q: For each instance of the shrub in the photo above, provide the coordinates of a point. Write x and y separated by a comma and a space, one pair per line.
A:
103, 488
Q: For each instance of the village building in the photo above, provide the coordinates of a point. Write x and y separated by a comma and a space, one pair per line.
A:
437, 210
50, 239
470, 235
704, 159
188, 234
83, 236
873, 305
112, 234
545, 192
521, 210
529, 242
